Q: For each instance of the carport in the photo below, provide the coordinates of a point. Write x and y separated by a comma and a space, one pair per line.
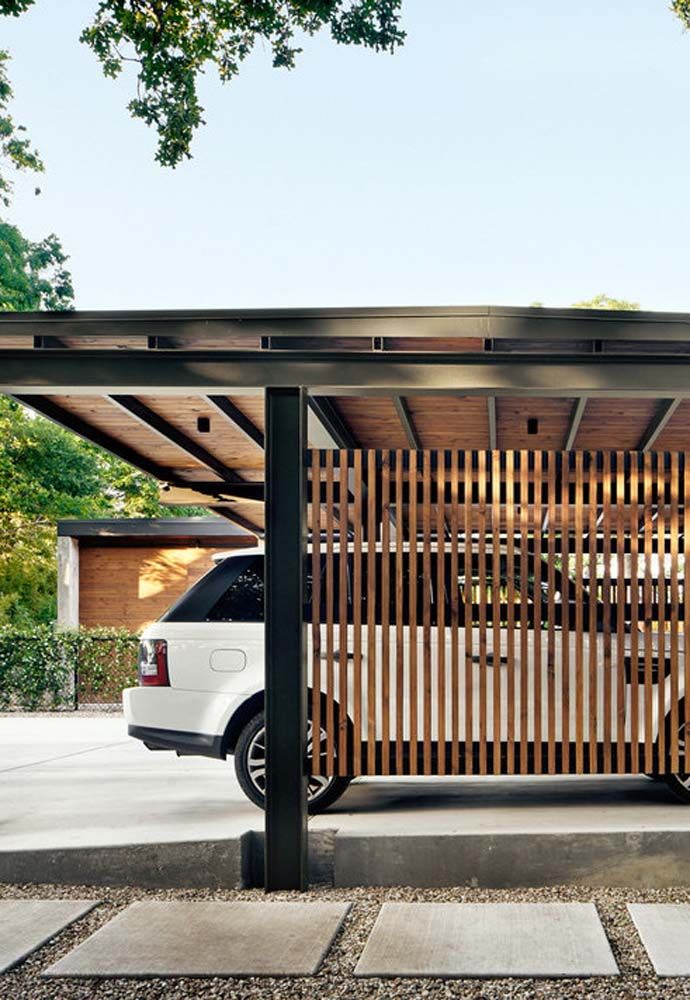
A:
361, 420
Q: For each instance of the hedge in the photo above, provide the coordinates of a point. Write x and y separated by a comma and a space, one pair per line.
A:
43, 668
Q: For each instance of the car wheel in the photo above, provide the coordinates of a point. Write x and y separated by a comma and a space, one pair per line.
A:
250, 768
679, 783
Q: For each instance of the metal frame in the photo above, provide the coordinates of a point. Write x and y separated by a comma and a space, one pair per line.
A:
286, 644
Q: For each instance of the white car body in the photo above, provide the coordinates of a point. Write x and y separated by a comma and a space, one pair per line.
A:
216, 680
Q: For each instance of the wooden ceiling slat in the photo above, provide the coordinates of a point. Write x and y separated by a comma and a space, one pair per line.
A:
552, 420
676, 434
450, 421
373, 421
615, 423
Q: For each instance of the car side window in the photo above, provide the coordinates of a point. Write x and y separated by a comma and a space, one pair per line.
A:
243, 601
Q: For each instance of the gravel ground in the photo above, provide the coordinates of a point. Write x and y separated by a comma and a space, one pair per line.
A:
335, 980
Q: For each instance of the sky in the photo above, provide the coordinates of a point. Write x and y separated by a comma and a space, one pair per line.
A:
509, 153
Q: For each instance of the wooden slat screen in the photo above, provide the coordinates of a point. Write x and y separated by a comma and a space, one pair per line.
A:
477, 612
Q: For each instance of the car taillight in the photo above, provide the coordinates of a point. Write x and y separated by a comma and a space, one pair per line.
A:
153, 663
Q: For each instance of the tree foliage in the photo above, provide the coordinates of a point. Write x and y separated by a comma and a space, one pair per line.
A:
682, 10
47, 473
172, 44
603, 301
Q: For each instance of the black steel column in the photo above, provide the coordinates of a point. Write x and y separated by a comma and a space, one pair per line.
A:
286, 648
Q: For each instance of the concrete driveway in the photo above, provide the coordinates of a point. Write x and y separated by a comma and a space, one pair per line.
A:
76, 780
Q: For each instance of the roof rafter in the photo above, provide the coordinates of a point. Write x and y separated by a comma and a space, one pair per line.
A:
403, 410
665, 410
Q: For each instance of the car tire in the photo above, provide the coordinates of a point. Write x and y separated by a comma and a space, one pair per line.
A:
250, 770
679, 783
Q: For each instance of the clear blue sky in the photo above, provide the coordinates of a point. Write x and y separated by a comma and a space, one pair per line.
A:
510, 152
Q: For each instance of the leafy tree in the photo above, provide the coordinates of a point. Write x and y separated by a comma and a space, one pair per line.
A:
32, 275
682, 9
47, 473
171, 44
604, 301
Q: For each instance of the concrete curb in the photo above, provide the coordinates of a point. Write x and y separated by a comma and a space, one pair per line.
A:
650, 859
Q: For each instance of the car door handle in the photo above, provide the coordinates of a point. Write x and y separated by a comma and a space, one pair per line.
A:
336, 655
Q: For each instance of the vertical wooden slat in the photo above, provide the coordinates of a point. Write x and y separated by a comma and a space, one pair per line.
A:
579, 616
454, 618
525, 665
648, 615
371, 612
538, 567
621, 591
426, 609
686, 605
496, 606
661, 605
316, 610
566, 597
551, 615
399, 616
510, 598
440, 610
675, 614
343, 531
634, 520
593, 614
385, 611
330, 615
606, 610
414, 723
481, 597
469, 644
357, 611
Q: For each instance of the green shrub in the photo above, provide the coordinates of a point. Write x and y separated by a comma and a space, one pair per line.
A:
43, 668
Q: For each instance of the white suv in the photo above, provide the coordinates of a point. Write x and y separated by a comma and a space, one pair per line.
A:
201, 669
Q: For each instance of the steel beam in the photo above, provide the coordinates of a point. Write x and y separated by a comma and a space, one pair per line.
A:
491, 411
324, 409
666, 409
488, 322
238, 519
403, 411
285, 640
154, 422
180, 372
575, 421
236, 417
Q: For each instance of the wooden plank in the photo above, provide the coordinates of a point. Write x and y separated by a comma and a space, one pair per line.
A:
440, 612
385, 611
426, 610
593, 586
316, 610
510, 598
414, 699
524, 613
330, 616
481, 597
551, 615
496, 606
579, 616
648, 649
343, 531
468, 594
620, 613
606, 600
357, 611
661, 522
454, 617
538, 518
686, 603
634, 614
371, 612
399, 616
675, 614
566, 598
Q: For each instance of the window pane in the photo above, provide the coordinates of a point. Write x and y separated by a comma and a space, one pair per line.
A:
243, 601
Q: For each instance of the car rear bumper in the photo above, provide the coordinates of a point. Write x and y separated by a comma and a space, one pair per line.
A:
199, 744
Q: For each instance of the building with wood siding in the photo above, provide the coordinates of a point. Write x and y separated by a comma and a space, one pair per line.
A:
125, 573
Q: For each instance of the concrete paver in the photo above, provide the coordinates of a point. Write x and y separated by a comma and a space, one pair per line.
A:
208, 939
487, 940
26, 924
664, 930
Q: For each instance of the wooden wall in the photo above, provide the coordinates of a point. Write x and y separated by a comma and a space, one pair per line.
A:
131, 586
